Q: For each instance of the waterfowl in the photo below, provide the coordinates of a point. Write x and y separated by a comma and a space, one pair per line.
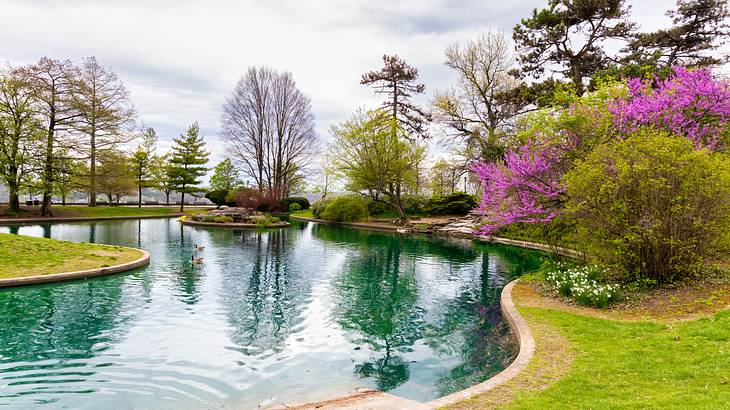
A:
199, 247
197, 260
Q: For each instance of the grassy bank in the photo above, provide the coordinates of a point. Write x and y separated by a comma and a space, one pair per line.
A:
617, 363
101, 211
23, 256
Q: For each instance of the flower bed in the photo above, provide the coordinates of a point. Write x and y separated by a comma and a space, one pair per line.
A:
581, 285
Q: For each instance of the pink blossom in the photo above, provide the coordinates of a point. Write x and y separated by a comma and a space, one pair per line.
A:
690, 103
526, 187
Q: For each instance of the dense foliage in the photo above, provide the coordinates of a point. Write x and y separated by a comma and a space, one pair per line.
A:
376, 157
690, 103
346, 209
459, 203
319, 207
299, 200
217, 197
651, 204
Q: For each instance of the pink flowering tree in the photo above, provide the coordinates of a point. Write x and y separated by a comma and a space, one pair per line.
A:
690, 103
526, 187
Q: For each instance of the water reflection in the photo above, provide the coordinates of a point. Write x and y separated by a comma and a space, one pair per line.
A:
263, 291
377, 303
278, 315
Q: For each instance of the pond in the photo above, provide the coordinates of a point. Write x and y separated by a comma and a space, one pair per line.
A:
289, 315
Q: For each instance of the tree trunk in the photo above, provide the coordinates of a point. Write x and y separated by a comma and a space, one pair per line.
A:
139, 201
399, 203
167, 198
14, 202
63, 199
182, 200
92, 170
48, 168
577, 77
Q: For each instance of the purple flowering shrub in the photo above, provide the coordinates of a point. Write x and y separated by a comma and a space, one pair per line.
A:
527, 186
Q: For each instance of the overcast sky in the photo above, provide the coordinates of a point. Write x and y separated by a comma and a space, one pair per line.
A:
181, 58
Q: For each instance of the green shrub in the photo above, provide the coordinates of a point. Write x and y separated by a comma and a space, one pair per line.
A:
217, 197
299, 200
319, 207
207, 218
377, 208
414, 204
561, 231
222, 219
346, 209
652, 204
459, 203
294, 207
266, 220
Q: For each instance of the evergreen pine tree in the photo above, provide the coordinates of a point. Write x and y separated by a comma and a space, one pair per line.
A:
188, 162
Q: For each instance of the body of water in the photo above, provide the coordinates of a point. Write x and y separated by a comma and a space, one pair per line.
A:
278, 316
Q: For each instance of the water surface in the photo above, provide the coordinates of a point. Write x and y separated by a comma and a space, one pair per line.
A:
287, 315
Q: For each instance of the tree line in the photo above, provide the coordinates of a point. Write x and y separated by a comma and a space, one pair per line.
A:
68, 127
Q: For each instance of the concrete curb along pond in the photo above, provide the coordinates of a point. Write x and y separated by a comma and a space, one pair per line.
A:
83, 274
233, 224
525, 341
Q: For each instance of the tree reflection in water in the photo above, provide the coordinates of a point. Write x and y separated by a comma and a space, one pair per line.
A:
263, 292
387, 302
377, 302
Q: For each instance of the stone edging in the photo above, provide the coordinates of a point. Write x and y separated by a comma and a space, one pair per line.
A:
385, 228
373, 399
33, 221
490, 239
516, 322
533, 245
233, 224
83, 274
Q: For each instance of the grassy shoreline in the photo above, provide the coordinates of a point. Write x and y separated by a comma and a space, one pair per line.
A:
76, 211
24, 256
617, 362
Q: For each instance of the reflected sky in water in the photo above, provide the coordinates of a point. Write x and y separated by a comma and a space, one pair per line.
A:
288, 315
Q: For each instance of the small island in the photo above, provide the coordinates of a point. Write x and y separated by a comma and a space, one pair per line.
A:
28, 260
234, 217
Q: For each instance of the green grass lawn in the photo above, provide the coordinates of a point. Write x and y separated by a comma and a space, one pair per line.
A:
104, 211
59, 211
304, 213
587, 362
637, 364
27, 256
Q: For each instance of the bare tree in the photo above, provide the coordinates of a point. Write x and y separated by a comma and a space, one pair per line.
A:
474, 109
269, 126
106, 112
52, 83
